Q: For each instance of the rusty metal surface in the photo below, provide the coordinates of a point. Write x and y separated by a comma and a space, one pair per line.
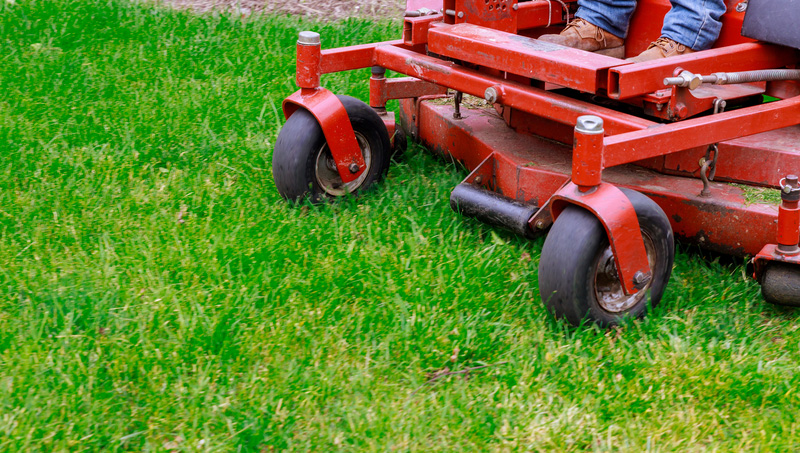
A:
523, 56
770, 254
335, 124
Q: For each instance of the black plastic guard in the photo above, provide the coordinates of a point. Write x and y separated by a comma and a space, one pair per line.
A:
773, 21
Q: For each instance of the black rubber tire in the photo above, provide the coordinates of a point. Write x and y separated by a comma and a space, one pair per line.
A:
780, 284
294, 161
571, 259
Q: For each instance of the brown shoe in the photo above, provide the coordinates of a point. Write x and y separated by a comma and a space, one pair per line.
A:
583, 35
661, 48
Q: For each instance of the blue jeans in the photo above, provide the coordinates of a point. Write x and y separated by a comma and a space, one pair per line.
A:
693, 23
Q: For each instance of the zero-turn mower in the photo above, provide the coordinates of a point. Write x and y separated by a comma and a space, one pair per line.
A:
611, 157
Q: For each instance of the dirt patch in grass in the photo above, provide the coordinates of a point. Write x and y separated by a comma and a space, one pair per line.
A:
313, 9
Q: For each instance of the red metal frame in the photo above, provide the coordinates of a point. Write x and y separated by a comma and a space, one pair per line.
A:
488, 49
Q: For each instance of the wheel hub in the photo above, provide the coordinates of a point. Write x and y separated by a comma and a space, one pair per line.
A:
607, 285
327, 175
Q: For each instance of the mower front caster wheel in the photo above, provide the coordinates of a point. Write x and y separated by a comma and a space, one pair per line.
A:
302, 164
577, 270
780, 284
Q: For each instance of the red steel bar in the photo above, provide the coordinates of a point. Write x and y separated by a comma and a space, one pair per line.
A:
632, 80
529, 99
528, 57
353, 57
670, 138
308, 60
789, 224
588, 153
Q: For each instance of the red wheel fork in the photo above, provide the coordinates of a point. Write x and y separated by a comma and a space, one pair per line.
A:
326, 108
607, 202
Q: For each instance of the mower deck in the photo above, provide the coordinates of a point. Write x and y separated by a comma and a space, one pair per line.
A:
531, 169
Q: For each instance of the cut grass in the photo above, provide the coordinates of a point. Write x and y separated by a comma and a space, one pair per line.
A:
156, 294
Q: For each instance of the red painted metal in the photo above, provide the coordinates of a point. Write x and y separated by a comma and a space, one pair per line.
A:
768, 255
512, 94
789, 227
477, 47
627, 81
309, 58
335, 124
523, 56
615, 212
494, 14
539, 14
669, 138
587, 161
383, 89
531, 169
353, 57
415, 29
754, 159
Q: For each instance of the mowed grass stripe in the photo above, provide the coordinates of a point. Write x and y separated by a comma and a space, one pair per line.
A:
158, 295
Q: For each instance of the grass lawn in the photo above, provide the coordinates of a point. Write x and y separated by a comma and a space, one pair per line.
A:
156, 294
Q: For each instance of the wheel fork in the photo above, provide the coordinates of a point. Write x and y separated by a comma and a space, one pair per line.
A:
326, 108
609, 204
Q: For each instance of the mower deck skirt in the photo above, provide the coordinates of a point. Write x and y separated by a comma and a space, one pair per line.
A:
530, 169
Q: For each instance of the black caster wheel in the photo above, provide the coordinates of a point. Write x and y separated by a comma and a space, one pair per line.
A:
302, 164
577, 272
780, 284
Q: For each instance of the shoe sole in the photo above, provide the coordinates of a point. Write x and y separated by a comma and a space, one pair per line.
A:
616, 52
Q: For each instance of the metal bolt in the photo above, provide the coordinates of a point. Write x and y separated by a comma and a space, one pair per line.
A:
640, 278
589, 124
461, 14
308, 38
478, 179
741, 7
539, 224
354, 168
515, 7
491, 95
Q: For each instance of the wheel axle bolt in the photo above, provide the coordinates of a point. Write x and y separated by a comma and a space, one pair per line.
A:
640, 279
354, 168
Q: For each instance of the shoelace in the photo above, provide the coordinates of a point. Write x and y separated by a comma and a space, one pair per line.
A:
665, 44
598, 32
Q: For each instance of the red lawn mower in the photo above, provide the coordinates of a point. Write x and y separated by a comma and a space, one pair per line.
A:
611, 157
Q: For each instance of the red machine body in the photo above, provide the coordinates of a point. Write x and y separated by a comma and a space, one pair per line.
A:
531, 144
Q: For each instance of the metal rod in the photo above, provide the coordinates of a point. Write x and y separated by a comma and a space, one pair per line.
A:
689, 80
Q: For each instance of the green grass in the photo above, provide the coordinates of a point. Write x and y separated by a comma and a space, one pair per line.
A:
157, 295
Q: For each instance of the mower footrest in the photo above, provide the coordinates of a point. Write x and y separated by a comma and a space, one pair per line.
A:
522, 56
493, 208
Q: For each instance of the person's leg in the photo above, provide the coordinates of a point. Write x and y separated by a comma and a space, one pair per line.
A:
599, 26
690, 25
694, 23
612, 16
